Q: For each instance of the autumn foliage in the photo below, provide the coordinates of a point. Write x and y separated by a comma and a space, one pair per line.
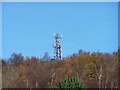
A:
96, 70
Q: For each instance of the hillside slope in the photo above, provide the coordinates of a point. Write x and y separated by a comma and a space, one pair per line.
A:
96, 70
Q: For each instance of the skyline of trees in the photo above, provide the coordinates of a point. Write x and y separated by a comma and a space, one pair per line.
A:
96, 70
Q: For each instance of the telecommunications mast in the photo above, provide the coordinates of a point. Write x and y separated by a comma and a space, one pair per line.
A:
57, 46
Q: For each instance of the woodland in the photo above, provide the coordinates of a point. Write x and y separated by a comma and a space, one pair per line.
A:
94, 69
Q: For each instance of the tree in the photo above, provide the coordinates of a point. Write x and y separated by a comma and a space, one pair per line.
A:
46, 56
73, 82
16, 59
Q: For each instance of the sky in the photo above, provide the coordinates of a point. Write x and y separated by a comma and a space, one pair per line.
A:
29, 28
0, 29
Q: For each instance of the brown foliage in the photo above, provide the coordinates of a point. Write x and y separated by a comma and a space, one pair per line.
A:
96, 70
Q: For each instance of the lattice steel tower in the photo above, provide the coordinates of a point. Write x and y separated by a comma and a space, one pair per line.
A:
57, 46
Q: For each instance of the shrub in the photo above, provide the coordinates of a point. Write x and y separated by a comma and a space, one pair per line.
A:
73, 82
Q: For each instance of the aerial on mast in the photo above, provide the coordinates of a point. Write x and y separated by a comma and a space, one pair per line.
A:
57, 46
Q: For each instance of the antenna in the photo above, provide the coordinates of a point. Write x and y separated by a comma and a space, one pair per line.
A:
57, 46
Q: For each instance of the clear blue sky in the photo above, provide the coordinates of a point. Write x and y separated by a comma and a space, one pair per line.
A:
28, 28
0, 29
